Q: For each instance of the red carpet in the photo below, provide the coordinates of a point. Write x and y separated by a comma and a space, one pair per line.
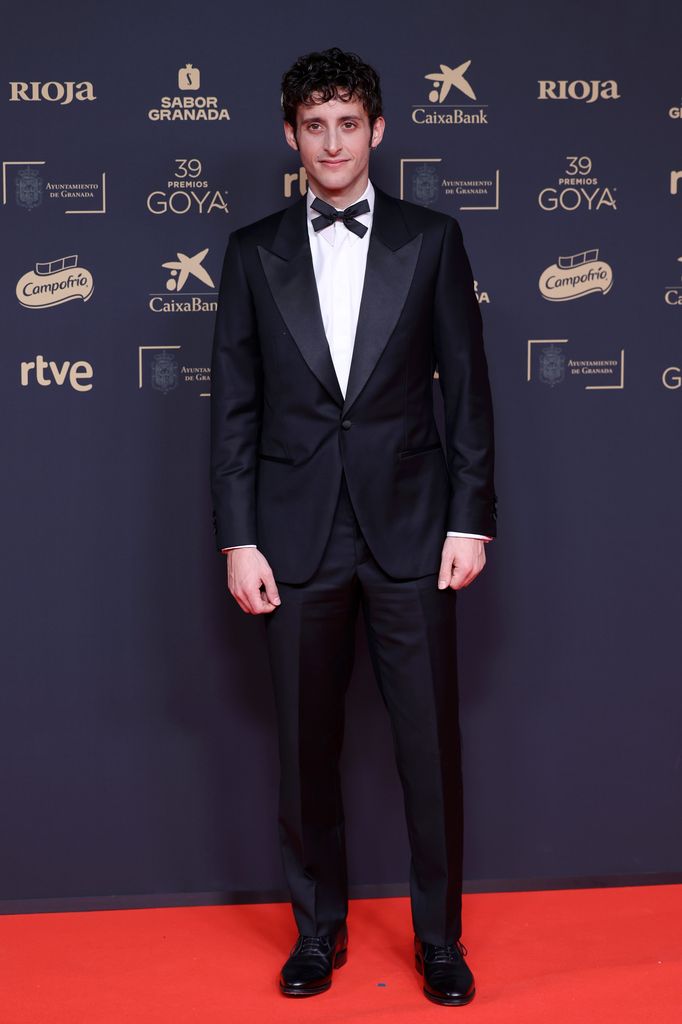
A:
599, 956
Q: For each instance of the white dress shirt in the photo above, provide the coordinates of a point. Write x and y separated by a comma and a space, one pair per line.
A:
339, 259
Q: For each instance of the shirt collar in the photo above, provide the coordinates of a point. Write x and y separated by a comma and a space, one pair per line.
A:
328, 232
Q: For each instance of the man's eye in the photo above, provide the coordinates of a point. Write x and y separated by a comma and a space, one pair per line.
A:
350, 124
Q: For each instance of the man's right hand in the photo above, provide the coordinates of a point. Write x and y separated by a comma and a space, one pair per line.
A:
247, 570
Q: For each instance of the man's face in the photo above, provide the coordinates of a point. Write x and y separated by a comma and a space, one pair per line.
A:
334, 140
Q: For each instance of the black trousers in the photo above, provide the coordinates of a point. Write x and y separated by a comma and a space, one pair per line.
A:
411, 633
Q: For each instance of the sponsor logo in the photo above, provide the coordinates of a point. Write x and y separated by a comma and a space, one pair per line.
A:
581, 90
191, 105
161, 369
425, 183
552, 364
671, 378
296, 181
578, 189
43, 372
164, 374
675, 178
673, 292
30, 188
549, 364
437, 111
54, 283
183, 270
189, 78
483, 297
447, 79
429, 182
574, 276
188, 191
62, 93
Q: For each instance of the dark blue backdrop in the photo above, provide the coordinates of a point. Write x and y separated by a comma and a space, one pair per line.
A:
137, 730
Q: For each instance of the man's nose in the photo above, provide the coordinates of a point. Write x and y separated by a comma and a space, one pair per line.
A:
332, 142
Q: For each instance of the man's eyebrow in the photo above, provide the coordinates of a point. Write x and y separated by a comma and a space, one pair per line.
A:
323, 120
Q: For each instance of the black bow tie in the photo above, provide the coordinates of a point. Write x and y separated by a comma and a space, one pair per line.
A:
328, 215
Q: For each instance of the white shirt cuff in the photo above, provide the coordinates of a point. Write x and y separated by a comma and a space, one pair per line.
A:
476, 536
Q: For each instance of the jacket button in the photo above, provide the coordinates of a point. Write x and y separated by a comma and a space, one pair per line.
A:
346, 424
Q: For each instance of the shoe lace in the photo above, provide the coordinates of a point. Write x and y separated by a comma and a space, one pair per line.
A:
311, 945
448, 953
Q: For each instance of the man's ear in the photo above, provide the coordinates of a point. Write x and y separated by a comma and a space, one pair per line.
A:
290, 135
377, 132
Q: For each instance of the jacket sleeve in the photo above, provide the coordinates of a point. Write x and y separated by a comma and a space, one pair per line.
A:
236, 405
464, 384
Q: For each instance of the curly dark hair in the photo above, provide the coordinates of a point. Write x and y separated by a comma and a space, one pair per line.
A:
328, 75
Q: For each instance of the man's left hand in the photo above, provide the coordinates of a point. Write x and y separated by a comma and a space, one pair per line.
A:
462, 560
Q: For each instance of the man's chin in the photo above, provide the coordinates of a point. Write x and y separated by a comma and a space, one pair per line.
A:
334, 180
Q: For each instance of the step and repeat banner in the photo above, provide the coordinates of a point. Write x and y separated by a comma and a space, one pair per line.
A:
138, 743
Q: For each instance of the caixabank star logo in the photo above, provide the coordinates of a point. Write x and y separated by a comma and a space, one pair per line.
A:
188, 286
445, 106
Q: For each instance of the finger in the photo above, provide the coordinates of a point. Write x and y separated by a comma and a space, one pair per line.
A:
253, 599
240, 601
258, 601
271, 593
242, 594
469, 577
265, 605
461, 576
445, 572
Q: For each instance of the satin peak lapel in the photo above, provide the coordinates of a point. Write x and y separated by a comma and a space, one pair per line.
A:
288, 268
391, 261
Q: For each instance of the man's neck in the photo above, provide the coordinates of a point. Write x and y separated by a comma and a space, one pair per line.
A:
341, 198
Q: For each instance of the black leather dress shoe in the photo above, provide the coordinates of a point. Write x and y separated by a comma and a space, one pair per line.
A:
308, 971
447, 979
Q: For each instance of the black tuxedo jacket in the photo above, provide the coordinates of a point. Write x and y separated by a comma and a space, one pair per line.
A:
281, 429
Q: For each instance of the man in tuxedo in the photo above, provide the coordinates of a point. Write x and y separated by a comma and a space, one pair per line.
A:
332, 489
